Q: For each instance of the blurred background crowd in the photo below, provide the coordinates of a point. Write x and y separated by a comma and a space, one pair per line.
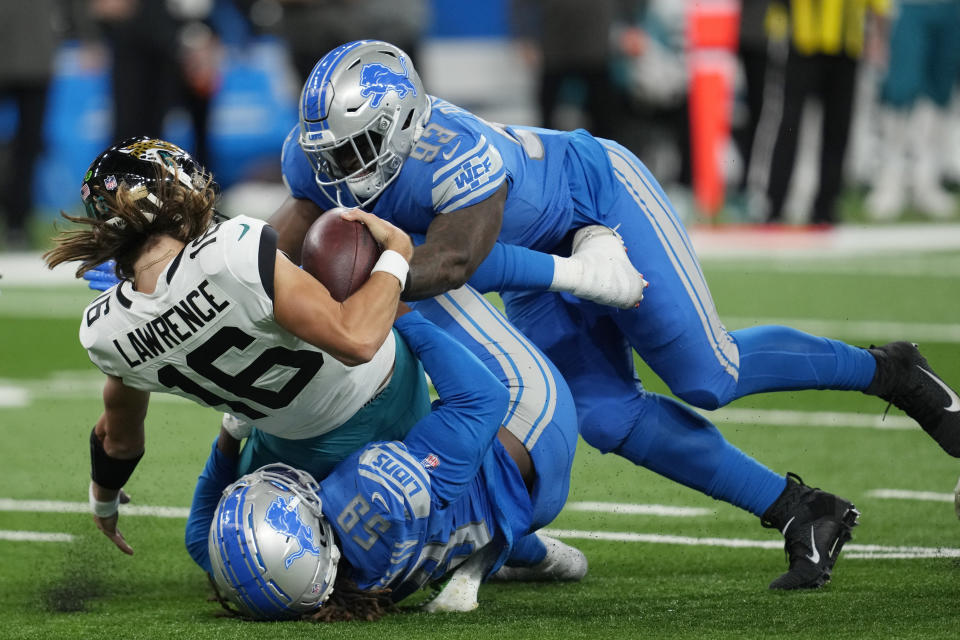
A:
796, 112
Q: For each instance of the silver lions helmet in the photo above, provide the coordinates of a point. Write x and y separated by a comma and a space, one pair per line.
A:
361, 109
271, 549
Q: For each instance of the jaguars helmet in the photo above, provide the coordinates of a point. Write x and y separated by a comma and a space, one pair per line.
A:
361, 109
134, 162
271, 549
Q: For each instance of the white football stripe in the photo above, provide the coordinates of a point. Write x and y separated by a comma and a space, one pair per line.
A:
903, 494
673, 237
784, 418
637, 509
860, 551
35, 536
876, 330
57, 506
13, 397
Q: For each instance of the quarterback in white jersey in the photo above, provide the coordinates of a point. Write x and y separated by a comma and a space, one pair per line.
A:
209, 310
208, 333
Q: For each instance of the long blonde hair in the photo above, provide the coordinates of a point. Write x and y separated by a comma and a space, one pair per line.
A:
131, 219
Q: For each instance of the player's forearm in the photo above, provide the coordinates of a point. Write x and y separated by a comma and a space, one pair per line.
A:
456, 244
437, 268
368, 314
351, 331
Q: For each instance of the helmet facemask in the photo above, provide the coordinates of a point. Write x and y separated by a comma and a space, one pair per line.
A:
361, 110
363, 163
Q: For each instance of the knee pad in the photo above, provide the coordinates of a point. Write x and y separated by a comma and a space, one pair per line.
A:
698, 375
606, 424
706, 392
707, 399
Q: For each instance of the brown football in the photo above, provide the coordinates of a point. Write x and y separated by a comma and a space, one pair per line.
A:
339, 253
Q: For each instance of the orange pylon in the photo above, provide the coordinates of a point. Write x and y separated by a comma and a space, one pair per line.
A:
712, 34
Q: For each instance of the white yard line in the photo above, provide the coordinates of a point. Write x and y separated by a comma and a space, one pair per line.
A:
786, 418
859, 551
878, 331
57, 506
850, 551
21, 393
66, 385
902, 494
13, 397
35, 536
637, 509
942, 267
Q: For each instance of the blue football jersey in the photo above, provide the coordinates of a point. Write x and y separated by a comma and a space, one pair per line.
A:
405, 513
461, 159
390, 530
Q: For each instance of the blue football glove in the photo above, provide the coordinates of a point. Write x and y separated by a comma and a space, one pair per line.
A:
102, 277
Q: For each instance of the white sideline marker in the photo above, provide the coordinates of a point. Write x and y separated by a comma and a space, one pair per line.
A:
35, 536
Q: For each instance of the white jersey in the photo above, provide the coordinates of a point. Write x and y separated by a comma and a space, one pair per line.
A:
208, 333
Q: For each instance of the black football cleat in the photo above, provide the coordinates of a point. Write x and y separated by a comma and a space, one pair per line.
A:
905, 380
815, 525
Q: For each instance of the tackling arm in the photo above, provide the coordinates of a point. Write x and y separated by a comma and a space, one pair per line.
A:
463, 423
218, 473
456, 244
462, 246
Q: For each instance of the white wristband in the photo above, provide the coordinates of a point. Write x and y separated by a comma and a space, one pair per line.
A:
393, 263
103, 509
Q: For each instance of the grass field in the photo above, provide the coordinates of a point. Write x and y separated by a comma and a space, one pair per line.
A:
654, 573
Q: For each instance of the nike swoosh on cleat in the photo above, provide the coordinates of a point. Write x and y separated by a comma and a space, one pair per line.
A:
815, 556
954, 405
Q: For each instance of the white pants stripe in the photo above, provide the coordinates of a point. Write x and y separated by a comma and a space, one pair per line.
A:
676, 246
533, 403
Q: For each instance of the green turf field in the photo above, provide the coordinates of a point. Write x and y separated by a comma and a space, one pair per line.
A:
651, 576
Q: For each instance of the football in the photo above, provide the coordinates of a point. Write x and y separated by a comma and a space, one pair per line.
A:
339, 253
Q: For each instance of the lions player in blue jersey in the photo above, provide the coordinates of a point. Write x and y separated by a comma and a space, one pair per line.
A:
370, 136
459, 492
